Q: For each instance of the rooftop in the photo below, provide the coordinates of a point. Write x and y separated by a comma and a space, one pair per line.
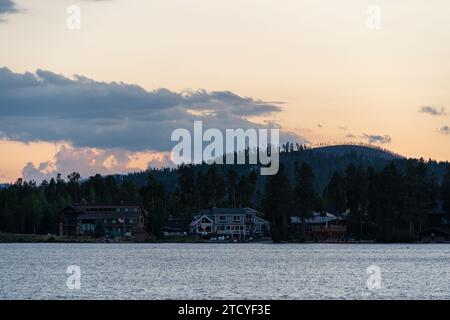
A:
316, 219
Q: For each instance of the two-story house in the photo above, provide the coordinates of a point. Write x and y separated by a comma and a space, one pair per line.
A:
235, 223
103, 220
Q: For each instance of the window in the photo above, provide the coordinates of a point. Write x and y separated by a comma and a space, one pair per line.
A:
222, 218
237, 218
87, 227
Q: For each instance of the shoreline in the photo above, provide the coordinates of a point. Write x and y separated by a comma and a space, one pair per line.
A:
37, 238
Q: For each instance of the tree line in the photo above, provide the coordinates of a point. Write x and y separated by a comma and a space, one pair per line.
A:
386, 204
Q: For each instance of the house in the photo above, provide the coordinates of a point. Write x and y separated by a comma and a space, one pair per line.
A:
435, 234
257, 226
320, 227
234, 223
438, 217
176, 227
438, 225
103, 220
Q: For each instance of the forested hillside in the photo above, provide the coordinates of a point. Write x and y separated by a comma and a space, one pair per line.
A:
387, 197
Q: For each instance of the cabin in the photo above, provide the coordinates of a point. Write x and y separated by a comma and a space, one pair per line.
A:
438, 217
438, 225
321, 227
435, 235
120, 221
232, 223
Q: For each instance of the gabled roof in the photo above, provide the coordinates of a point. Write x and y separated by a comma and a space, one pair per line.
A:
225, 211
261, 219
200, 217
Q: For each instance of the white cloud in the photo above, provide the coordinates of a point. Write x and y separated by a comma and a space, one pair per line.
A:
86, 161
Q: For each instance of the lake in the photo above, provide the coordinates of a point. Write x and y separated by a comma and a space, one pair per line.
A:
226, 271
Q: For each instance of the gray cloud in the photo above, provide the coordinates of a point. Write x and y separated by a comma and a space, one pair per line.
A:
7, 7
44, 106
375, 138
433, 110
445, 130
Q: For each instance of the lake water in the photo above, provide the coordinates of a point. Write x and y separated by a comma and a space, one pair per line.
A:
226, 271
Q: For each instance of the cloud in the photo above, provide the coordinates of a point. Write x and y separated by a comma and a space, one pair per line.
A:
433, 110
445, 130
7, 7
350, 136
161, 161
87, 161
45, 106
375, 138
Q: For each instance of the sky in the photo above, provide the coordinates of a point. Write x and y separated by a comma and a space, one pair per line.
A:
106, 96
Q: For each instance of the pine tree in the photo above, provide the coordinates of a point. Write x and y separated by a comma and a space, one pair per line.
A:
356, 194
305, 196
155, 202
334, 194
277, 203
232, 187
445, 191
